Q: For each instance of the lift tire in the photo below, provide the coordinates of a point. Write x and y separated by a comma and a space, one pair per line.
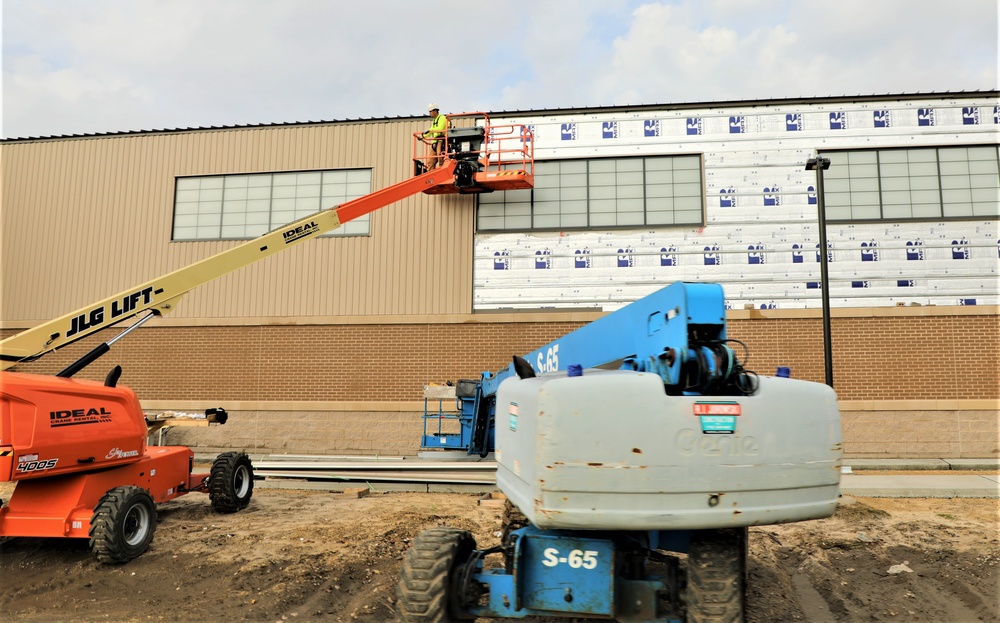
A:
123, 524
427, 590
230, 483
716, 576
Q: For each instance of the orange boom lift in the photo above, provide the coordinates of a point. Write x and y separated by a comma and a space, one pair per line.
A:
78, 449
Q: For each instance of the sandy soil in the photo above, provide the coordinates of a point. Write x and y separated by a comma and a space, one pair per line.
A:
296, 555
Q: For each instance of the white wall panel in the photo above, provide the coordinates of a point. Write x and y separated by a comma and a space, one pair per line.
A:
762, 228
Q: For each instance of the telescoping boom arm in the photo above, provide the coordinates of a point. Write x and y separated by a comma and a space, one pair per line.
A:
678, 333
160, 295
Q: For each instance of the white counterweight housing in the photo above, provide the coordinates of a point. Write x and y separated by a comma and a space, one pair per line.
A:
610, 450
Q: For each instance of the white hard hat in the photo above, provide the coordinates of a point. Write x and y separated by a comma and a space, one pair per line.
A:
431, 107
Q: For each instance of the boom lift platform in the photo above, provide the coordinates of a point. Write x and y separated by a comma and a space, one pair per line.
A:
631, 440
78, 449
487, 157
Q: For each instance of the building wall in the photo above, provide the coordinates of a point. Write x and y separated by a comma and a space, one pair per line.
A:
325, 348
761, 234
911, 381
92, 216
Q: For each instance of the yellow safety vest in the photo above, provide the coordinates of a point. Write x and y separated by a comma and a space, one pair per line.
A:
438, 127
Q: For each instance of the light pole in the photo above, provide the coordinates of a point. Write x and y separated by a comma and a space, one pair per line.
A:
819, 165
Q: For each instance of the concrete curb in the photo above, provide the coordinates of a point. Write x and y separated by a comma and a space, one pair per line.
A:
937, 486
923, 464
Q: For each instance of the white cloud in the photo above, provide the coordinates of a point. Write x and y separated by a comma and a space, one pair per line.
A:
115, 65
672, 53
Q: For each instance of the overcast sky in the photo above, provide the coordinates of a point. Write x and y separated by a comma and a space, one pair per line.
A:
85, 66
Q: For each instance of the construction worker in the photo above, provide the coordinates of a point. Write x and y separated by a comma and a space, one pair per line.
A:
434, 136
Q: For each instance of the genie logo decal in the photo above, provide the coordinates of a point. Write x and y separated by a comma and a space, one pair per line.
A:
914, 249
527, 133
861, 284
738, 124
970, 115
793, 122
905, 283
838, 121
582, 259
756, 254
996, 115
667, 256
771, 197
543, 259
625, 258
727, 197
695, 125
651, 127
959, 249
869, 252
811, 195
567, 132
926, 117
712, 255
882, 118
966, 301
609, 129
501, 260
690, 442
769, 305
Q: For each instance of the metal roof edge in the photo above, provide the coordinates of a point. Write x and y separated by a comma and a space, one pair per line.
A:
752, 103
542, 111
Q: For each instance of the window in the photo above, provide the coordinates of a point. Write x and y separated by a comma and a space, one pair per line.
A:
913, 184
225, 207
601, 193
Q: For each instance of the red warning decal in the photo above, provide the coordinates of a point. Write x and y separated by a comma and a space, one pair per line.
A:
716, 408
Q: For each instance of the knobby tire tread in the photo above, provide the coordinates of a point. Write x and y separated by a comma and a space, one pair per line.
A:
106, 539
422, 595
716, 591
222, 488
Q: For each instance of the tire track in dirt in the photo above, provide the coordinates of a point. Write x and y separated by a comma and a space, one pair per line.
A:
842, 568
316, 556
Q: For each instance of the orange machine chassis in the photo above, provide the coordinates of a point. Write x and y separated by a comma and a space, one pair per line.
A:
62, 506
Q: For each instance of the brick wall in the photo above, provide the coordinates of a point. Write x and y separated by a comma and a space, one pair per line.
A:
878, 361
368, 362
337, 433
915, 433
883, 358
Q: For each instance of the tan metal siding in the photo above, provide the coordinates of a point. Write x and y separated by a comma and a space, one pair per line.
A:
84, 218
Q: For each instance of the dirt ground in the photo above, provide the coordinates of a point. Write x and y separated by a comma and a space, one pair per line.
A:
306, 555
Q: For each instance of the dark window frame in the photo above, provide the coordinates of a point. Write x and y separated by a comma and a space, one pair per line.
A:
590, 226
879, 152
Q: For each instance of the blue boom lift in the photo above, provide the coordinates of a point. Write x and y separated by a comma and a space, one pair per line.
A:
631, 440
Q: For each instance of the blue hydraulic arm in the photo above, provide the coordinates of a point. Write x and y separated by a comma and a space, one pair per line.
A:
678, 333
661, 333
